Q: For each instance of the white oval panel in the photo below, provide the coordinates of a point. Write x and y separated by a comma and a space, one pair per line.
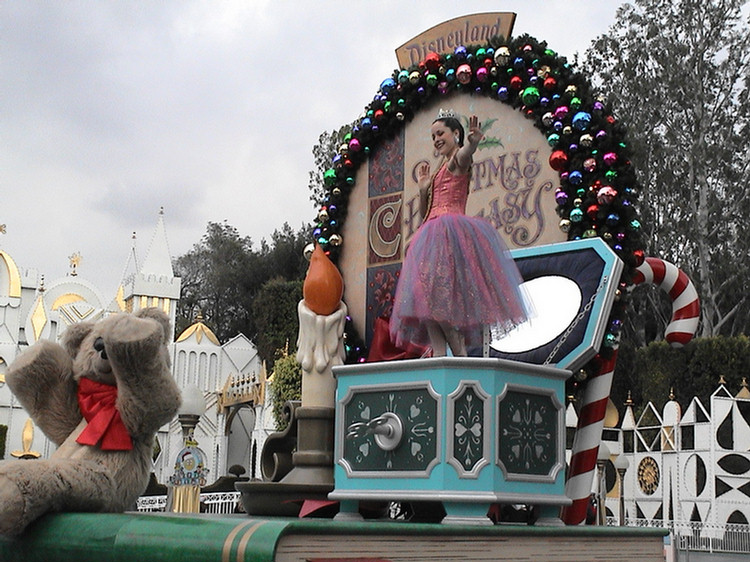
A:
555, 302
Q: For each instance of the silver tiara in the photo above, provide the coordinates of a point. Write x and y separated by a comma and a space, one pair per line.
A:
446, 113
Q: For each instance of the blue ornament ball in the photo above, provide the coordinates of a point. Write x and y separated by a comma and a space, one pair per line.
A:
575, 177
581, 120
387, 85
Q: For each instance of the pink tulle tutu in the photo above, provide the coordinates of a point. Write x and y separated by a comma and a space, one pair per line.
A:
457, 271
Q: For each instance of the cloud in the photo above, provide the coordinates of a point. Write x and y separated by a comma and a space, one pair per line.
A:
112, 110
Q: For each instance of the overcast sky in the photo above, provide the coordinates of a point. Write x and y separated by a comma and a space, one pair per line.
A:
210, 109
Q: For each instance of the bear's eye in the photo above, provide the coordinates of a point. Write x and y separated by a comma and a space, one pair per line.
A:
99, 346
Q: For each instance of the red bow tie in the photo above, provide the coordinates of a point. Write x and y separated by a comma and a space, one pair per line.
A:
97, 403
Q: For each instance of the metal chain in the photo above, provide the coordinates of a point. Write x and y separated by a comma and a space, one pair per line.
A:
575, 322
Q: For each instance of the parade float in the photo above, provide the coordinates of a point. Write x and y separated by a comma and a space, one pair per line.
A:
465, 435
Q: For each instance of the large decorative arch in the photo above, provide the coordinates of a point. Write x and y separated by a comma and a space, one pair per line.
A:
597, 189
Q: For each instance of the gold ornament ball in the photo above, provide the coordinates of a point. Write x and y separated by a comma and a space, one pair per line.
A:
307, 252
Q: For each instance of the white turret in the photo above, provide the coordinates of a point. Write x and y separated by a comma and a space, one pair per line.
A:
155, 283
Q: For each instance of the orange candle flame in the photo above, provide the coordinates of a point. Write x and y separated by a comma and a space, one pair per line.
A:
324, 286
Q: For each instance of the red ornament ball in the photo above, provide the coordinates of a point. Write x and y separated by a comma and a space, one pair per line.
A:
432, 62
558, 160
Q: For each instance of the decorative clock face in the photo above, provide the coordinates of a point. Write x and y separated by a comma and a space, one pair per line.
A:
391, 430
527, 433
648, 475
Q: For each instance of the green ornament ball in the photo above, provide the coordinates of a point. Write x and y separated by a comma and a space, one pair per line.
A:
530, 96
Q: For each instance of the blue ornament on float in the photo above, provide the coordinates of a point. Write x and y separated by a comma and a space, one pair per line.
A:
575, 177
387, 85
581, 120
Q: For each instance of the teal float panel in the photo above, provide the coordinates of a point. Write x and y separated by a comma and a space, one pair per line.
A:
452, 429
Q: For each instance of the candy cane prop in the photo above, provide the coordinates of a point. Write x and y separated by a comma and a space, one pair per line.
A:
586, 442
685, 303
681, 329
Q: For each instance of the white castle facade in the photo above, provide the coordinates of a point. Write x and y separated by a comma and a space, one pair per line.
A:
231, 377
691, 467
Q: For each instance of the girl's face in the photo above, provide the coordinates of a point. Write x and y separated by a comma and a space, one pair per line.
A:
443, 139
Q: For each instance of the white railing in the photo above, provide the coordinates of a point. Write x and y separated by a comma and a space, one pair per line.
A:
150, 504
697, 536
219, 503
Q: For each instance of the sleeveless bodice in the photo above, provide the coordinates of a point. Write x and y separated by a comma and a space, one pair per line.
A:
449, 193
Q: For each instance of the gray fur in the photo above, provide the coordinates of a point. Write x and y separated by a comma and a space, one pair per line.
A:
45, 380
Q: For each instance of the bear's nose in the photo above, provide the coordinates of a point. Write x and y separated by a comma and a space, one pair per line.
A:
99, 346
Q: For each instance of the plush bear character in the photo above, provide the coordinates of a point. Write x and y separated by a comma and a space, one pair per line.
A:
100, 397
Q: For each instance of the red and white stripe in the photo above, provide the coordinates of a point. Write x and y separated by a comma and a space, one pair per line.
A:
681, 329
586, 442
685, 303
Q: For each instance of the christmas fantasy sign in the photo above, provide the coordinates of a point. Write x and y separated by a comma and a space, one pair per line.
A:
512, 186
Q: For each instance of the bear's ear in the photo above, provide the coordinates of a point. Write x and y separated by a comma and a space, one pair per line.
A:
74, 335
158, 315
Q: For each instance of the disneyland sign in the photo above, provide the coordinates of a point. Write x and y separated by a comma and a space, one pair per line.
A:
445, 37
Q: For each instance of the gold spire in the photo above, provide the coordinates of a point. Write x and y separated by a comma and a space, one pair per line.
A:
722, 380
629, 401
744, 392
671, 393
75, 261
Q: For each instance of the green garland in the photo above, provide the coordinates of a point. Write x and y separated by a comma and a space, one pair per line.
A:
597, 191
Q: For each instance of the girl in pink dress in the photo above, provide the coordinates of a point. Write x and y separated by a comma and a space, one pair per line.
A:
457, 276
